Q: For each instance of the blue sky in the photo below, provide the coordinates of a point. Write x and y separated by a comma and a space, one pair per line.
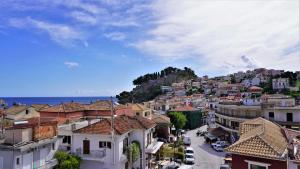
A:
97, 47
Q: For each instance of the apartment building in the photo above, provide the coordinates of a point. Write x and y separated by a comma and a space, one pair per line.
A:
280, 83
282, 110
277, 108
29, 144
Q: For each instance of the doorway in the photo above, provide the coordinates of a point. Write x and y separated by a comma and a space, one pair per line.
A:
86, 146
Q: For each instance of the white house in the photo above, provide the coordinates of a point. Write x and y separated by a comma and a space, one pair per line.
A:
100, 147
280, 83
29, 145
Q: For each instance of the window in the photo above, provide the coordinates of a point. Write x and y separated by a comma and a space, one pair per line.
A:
289, 117
53, 146
253, 166
104, 144
27, 111
125, 145
67, 139
137, 114
18, 161
271, 115
257, 165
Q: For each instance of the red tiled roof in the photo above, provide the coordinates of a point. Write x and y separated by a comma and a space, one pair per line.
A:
32, 122
65, 108
185, 108
122, 124
99, 105
39, 106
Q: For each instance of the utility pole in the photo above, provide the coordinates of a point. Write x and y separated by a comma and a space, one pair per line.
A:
112, 128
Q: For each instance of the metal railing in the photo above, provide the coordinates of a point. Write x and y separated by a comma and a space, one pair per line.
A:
238, 115
227, 126
92, 153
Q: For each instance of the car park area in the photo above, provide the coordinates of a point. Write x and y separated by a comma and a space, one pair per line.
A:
205, 157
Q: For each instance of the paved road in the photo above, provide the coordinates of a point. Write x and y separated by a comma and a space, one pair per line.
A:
205, 156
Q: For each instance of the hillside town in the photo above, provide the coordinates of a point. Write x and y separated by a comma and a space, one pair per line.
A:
244, 120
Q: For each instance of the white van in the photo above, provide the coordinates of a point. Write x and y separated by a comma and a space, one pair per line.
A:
187, 140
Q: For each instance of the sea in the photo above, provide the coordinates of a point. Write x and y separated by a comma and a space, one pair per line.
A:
52, 100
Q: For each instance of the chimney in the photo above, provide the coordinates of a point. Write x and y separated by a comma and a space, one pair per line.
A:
73, 127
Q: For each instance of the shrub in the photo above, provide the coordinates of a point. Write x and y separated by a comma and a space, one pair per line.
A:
180, 149
67, 161
179, 155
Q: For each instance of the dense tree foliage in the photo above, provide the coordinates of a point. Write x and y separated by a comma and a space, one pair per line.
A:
149, 86
178, 119
67, 161
167, 71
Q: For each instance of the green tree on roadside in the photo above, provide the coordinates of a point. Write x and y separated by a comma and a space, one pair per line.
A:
178, 119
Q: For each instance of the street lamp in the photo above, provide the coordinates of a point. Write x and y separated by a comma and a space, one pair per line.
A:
174, 131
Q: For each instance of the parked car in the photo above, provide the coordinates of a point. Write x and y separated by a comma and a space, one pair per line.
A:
224, 166
187, 140
189, 159
221, 143
218, 148
181, 131
186, 167
189, 150
172, 166
202, 133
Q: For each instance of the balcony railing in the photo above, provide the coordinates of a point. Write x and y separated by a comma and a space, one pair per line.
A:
97, 154
227, 126
230, 114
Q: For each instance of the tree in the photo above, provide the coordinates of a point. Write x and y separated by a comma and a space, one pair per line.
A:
133, 152
178, 119
67, 161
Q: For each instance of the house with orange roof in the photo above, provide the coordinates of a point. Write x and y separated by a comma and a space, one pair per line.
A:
29, 144
105, 143
264, 145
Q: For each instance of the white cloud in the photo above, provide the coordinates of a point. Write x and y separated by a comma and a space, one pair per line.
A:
117, 36
59, 33
84, 17
227, 34
71, 64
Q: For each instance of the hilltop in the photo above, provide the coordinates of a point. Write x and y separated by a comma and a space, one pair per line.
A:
148, 86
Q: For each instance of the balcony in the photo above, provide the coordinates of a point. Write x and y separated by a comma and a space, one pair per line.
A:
242, 117
51, 163
96, 155
227, 127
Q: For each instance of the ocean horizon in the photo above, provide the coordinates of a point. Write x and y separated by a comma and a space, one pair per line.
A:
53, 100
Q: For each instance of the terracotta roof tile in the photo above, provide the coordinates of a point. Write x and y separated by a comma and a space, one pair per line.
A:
65, 107
122, 124
260, 138
16, 109
185, 108
40, 106
158, 118
99, 105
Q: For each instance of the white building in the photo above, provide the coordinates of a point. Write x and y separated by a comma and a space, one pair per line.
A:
280, 83
101, 147
29, 145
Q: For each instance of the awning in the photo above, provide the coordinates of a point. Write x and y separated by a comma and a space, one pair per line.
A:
217, 132
210, 136
154, 147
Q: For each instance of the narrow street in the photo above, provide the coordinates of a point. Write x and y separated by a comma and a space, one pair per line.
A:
205, 156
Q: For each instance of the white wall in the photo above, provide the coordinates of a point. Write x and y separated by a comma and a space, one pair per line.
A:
280, 114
